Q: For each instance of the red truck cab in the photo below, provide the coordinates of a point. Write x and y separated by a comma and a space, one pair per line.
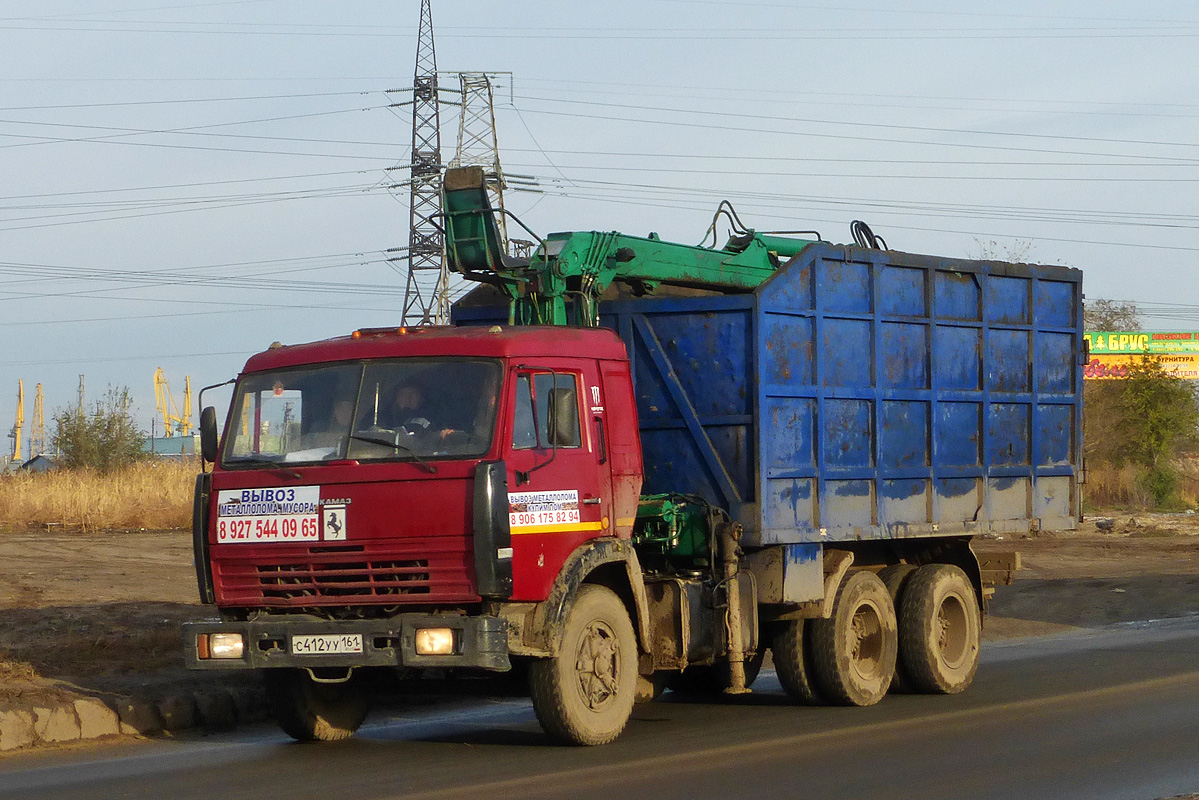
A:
371, 487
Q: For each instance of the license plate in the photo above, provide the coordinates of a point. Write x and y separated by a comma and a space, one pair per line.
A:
326, 644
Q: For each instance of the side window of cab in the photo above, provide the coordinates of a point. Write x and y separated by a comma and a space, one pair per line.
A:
547, 411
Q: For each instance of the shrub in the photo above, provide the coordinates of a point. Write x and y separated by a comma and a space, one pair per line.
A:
106, 439
1145, 421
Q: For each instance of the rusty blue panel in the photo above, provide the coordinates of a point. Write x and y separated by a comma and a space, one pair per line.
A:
1009, 434
1056, 427
844, 286
787, 356
791, 444
1009, 361
958, 434
848, 434
903, 434
695, 382
957, 295
669, 466
709, 354
902, 292
1055, 373
904, 357
797, 293
957, 357
654, 403
1007, 300
846, 346
1055, 304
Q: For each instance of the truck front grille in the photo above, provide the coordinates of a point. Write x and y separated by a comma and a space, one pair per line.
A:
355, 579
432, 570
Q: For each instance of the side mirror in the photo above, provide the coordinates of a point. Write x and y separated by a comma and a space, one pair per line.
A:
563, 422
208, 440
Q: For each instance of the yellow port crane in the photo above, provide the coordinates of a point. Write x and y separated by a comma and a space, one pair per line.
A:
172, 420
15, 434
37, 426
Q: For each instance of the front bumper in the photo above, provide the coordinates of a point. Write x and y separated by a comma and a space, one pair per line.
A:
480, 642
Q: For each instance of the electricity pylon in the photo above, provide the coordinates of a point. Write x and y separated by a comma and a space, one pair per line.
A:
426, 295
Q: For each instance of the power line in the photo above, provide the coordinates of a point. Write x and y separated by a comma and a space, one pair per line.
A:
538, 33
309, 195
110, 359
189, 185
848, 137
191, 130
879, 125
879, 176
181, 101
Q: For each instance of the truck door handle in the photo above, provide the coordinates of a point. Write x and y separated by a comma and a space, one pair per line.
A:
591, 501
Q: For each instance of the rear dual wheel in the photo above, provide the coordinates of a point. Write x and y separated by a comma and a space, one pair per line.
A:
895, 578
793, 662
849, 658
854, 650
940, 627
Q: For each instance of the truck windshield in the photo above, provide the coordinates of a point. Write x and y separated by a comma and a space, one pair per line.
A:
395, 409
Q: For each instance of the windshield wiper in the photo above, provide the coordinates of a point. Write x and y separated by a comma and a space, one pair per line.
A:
395, 443
252, 462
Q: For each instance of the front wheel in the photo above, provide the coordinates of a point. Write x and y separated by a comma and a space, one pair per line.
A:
309, 711
585, 694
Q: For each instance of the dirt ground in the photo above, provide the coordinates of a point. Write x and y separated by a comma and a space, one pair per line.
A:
102, 611
93, 611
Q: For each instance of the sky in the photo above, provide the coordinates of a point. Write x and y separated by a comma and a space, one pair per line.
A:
183, 183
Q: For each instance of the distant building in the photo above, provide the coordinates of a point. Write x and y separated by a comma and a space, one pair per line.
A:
172, 445
40, 463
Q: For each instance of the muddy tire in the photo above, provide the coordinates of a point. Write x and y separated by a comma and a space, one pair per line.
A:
854, 651
308, 711
585, 694
940, 627
895, 578
793, 662
713, 678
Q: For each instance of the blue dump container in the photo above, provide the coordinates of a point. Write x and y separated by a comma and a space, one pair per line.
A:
864, 394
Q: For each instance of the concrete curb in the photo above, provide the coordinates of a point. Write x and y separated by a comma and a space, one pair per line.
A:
81, 717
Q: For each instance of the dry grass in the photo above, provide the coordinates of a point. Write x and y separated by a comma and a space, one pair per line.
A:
1118, 487
1115, 487
152, 495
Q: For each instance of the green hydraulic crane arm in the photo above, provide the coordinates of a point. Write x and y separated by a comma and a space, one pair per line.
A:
562, 282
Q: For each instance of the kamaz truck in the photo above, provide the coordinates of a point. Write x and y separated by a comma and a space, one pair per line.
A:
630, 465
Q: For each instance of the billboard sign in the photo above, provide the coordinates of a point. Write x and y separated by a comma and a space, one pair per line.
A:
1113, 352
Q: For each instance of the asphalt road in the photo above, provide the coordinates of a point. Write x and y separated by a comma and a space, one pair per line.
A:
1112, 713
